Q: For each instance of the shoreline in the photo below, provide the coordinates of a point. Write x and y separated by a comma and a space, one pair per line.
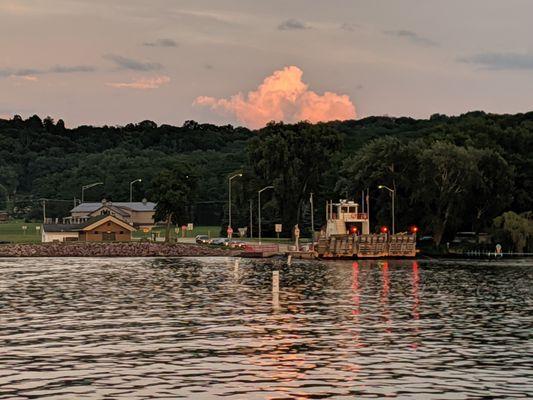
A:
118, 249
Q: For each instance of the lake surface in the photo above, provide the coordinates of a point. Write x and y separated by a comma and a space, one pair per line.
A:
205, 328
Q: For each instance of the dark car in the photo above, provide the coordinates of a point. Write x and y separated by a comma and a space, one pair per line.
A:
202, 239
219, 241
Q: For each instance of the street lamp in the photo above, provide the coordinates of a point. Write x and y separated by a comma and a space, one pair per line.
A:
393, 193
131, 188
88, 187
259, 208
229, 195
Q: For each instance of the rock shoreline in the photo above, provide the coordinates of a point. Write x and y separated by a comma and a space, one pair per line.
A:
83, 249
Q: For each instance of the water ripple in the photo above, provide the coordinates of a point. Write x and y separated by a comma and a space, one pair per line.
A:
206, 328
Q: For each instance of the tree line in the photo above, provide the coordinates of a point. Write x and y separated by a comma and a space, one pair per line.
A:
467, 173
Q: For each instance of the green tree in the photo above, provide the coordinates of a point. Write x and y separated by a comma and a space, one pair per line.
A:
174, 191
385, 161
293, 159
447, 175
515, 229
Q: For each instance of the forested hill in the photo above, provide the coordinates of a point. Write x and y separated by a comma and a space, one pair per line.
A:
41, 158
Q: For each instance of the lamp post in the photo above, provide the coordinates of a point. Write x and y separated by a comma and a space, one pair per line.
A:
88, 187
393, 193
259, 208
229, 197
131, 188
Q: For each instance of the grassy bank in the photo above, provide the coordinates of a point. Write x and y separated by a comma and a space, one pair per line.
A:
13, 231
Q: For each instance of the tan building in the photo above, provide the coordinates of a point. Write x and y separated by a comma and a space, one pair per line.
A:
102, 228
138, 214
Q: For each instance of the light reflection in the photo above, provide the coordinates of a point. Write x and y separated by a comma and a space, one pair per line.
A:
355, 288
385, 295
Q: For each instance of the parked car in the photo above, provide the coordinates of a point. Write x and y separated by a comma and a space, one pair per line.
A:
219, 241
202, 239
236, 244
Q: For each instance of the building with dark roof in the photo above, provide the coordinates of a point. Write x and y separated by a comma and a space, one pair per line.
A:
102, 228
138, 214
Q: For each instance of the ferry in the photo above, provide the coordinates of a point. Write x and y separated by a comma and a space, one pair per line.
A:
347, 235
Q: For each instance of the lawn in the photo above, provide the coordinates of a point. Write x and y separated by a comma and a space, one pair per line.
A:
211, 231
12, 232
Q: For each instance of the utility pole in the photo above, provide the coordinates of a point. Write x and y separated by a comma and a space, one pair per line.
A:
251, 219
44, 211
259, 208
312, 218
229, 198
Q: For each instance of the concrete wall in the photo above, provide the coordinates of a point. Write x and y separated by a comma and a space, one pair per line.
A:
48, 237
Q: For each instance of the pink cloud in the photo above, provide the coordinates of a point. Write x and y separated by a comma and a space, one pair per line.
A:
283, 96
142, 83
29, 78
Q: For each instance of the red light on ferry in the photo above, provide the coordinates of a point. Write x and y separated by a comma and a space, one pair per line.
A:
353, 229
414, 229
384, 229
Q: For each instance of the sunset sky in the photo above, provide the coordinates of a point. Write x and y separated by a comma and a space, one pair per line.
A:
246, 62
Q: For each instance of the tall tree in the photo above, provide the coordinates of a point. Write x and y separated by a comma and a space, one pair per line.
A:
447, 176
293, 159
174, 191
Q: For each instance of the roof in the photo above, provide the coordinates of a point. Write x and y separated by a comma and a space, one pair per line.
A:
94, 222
135, 206
118, 210
60, 227
87, 225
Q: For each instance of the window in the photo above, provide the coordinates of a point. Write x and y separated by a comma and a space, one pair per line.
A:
122, 232
109, 224
96, 232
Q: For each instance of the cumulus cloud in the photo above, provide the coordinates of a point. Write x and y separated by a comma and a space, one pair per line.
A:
161, 43
30, 73
144, 83
131, 64
413, 37
283, 96
501, 61
292, 25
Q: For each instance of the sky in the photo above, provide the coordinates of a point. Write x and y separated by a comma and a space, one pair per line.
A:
246, 62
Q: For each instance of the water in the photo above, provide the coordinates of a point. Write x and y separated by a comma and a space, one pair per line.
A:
204, 328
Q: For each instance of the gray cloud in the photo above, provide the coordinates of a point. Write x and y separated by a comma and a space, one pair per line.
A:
162, 43
348, 26
292, 24
501, 61
413, 37
57, 69
129, 63
61, 69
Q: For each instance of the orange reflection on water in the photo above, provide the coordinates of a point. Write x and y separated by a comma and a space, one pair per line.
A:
385, 295
416, 283
355, 288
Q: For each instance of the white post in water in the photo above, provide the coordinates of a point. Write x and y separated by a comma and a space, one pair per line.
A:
275, 281
289, 260
275, 290
236, 268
